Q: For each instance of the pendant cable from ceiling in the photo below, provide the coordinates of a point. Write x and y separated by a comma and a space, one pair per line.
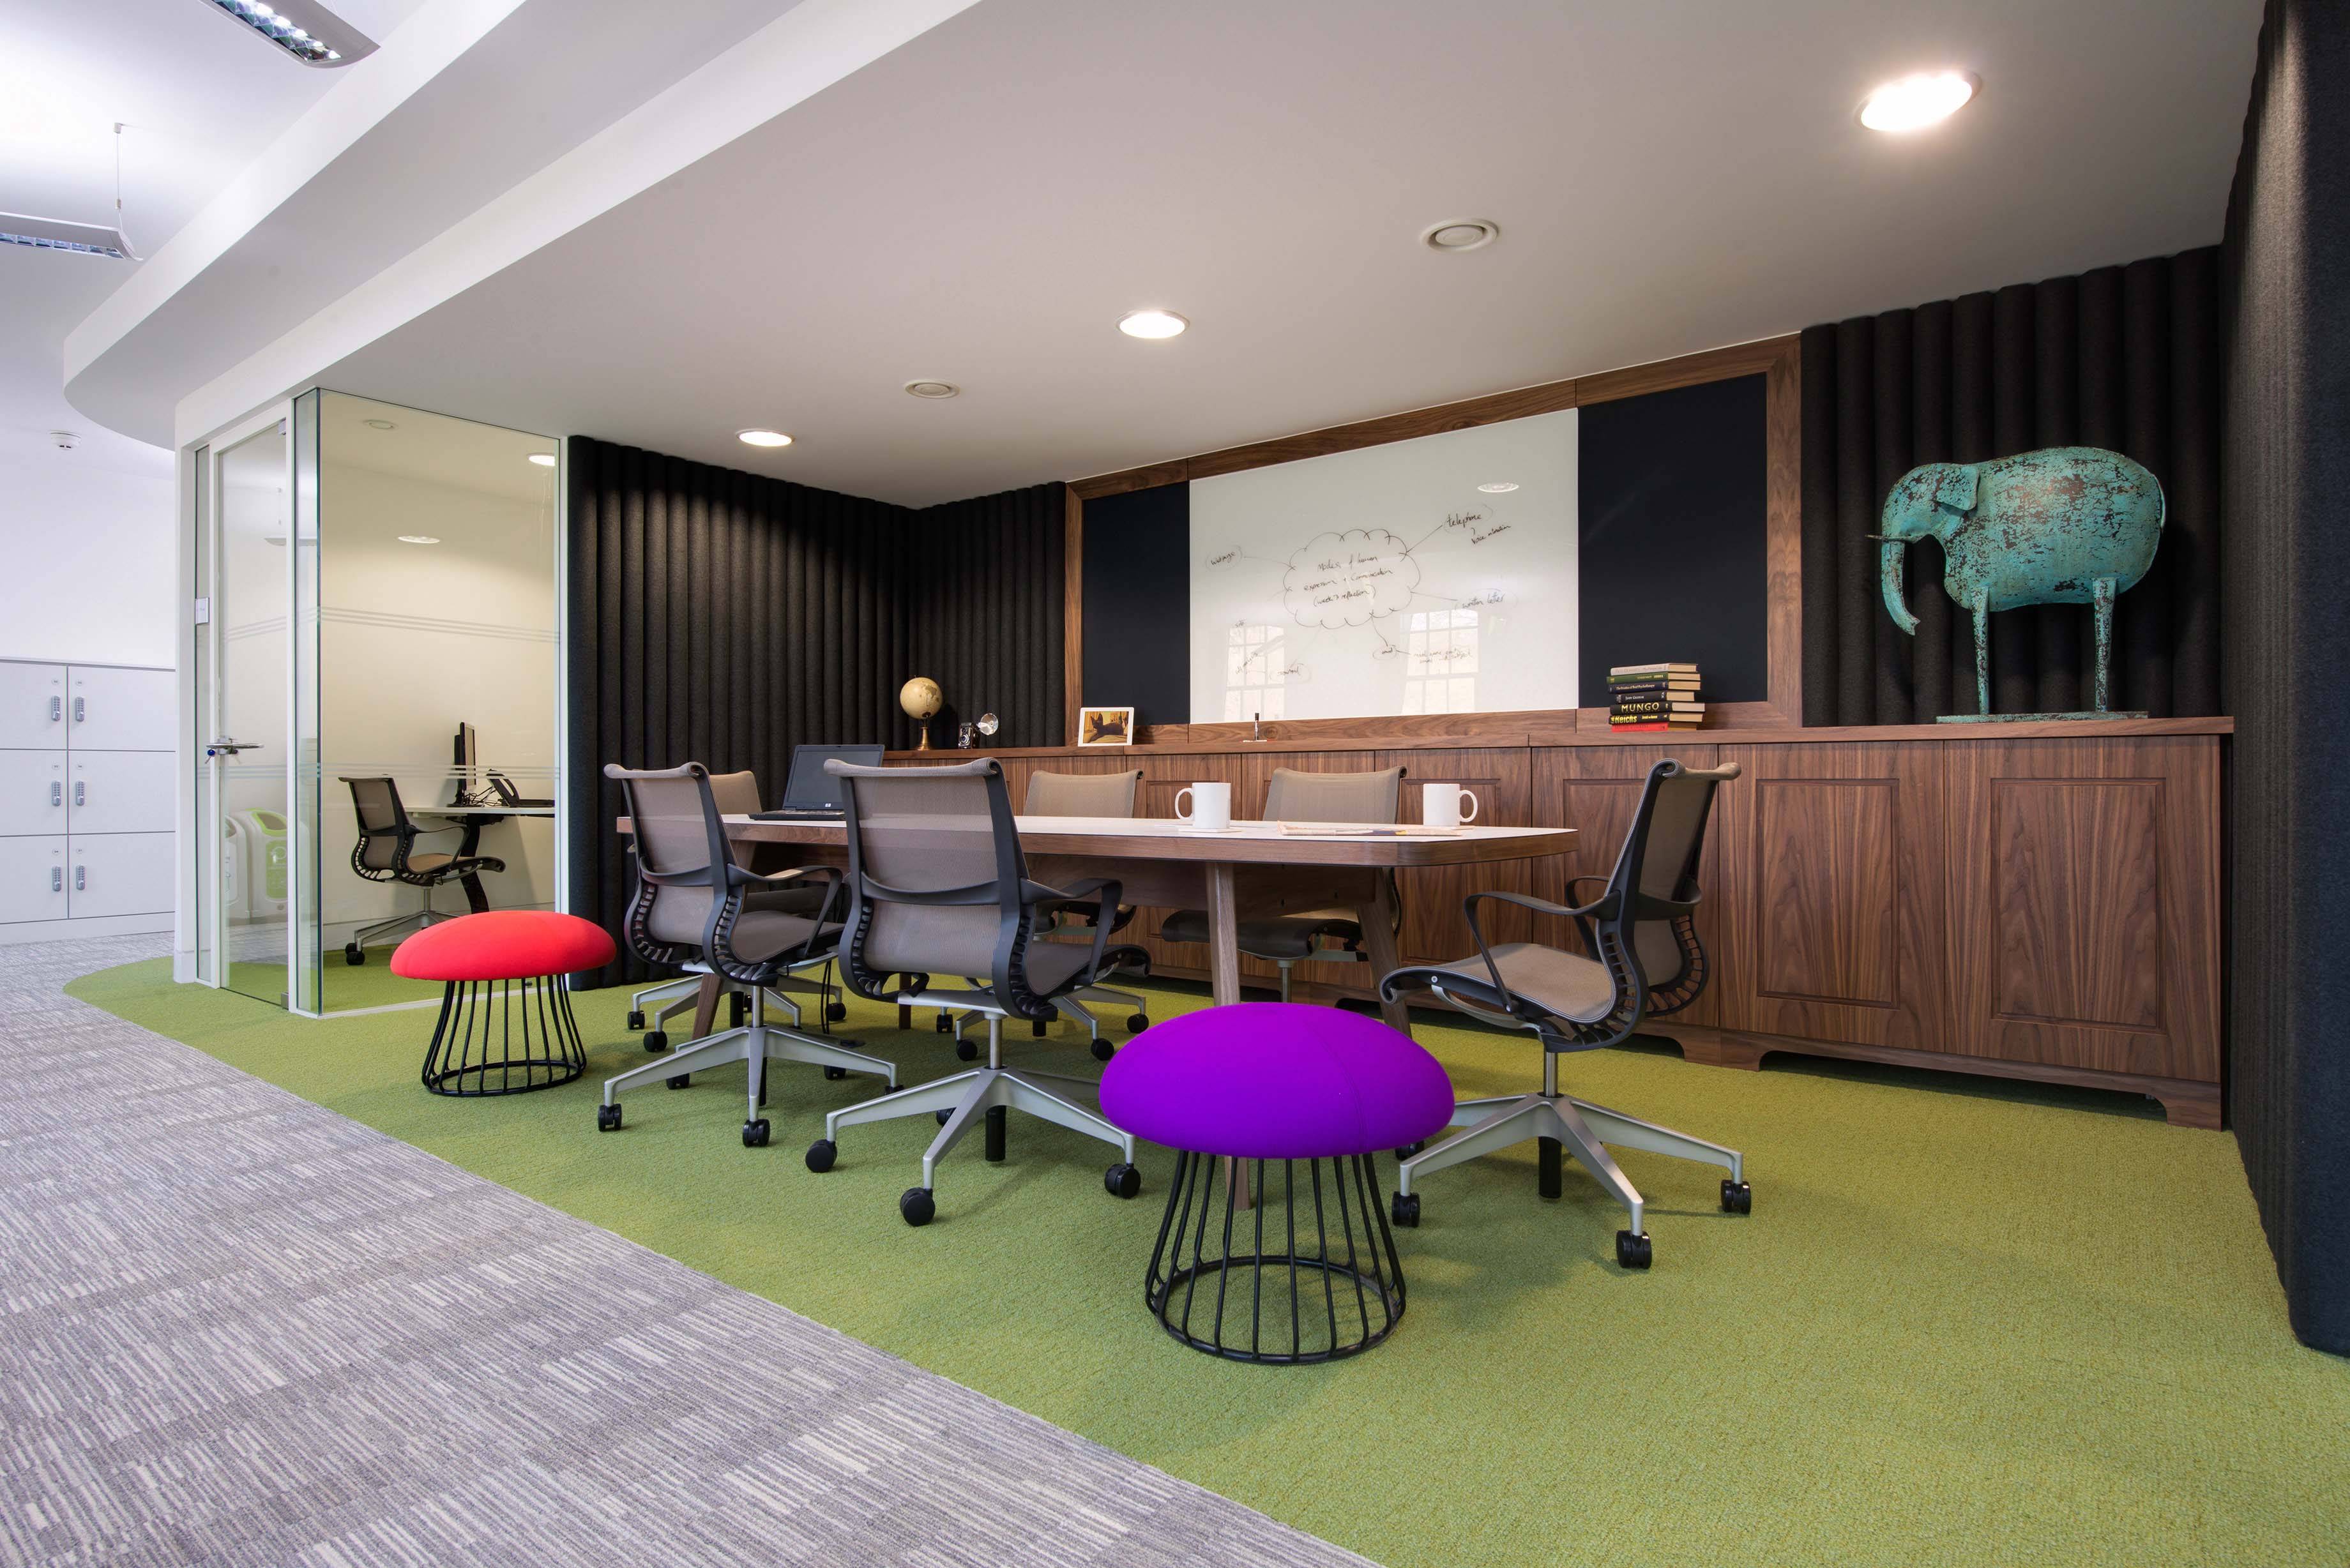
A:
118, 229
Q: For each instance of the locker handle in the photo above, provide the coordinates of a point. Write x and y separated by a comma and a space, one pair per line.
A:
81, 792
80, 712
56, 709
57, 793
81, 879
57, 878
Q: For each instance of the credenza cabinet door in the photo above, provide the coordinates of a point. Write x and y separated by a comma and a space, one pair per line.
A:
120, 709
120, 792
119, 874
2086, 926
33, 879
33, 793
1835, 857
32, 706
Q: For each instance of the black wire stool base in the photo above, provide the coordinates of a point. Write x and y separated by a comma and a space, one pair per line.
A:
1332, 1287
504, 1037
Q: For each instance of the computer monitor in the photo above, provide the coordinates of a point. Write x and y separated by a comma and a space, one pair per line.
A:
467, 761
810, 788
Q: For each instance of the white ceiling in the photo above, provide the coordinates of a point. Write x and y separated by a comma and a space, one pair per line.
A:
198, 99
981, 205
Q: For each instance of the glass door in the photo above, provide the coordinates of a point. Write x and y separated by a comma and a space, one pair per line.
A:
245, 871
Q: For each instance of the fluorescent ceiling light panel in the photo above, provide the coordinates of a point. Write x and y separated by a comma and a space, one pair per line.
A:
303, 29
56, 234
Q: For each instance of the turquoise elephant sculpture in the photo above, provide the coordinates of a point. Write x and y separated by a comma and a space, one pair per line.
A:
2066, 526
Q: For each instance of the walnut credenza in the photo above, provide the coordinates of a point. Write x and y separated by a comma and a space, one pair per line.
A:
2028, 900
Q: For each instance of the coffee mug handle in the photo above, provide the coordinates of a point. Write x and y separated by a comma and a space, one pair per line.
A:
1181, 813
1469, 802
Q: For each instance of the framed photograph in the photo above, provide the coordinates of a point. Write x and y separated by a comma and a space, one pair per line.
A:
1105, 726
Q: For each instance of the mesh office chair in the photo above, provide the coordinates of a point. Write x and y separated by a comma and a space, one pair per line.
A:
937, 885
737, 795
387, 851
1641, 958
692, 907
1320, 936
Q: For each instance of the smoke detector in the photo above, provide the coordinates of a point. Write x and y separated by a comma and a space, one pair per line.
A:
1457, 235
64, 440
933, 389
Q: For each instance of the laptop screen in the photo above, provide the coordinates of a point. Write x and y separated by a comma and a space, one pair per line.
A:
810, 788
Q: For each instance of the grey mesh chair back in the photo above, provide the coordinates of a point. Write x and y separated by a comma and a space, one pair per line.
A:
737, 795
1081, 794
1658, 865
668, 918
934, 869
1298, 796
383, 823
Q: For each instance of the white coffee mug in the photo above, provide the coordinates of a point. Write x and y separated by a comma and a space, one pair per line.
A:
1446, 805
1212, 807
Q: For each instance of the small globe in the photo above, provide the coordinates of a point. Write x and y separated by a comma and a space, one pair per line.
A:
921, 697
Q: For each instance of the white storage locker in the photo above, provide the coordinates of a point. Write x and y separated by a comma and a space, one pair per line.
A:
122, 710
119, 874
120, 792
33, 793
33, 706
33, 879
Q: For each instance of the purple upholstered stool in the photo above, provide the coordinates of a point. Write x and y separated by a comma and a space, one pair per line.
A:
1302, 1099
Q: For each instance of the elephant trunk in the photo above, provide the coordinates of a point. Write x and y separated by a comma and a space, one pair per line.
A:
1889, 570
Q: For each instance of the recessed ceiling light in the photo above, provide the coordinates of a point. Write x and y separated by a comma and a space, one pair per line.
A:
762, 438
1500, 488
1151, 324
1914, 102
932, 389
1460, 235
303, 29
544, 459
379, 424
419, 538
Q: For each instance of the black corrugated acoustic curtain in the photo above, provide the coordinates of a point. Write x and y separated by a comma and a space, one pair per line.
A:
723, 617
2125, 358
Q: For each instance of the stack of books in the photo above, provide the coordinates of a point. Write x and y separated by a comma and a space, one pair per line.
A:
1654, 697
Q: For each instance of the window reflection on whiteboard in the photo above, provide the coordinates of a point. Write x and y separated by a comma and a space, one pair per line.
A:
1441, 661
1256, 673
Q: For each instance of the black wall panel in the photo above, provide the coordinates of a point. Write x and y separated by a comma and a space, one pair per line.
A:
1136, 626
2286, 289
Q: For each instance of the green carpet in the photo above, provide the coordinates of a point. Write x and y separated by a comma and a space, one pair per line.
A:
1966, 1323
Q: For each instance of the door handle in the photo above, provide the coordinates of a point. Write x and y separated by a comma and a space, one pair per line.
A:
57, 878
80, 710
81, 879
81, 792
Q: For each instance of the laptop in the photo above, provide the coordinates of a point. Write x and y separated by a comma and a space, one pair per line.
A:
812, 794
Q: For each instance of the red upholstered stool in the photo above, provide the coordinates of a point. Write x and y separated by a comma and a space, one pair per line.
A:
505, 1024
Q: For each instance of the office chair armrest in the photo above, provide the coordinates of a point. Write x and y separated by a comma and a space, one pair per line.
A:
1596, 908
1104, 892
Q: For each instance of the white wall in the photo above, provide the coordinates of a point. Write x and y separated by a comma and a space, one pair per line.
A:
86, 554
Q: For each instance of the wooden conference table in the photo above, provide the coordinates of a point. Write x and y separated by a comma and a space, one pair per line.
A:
1253, 865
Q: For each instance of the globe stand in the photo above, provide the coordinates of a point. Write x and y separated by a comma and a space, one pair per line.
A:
922, 735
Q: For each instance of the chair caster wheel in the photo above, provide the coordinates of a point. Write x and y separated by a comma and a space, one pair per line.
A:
1104, 1050
943, 1024
836, 1072
683, 1081
1405, 1208
1407, 1151
916, 1204
354, 954
636, 1018
942, 1117
836, 1011
1122, 1180
656, 1043
608, 1118
1136, 1023
755, 1133
821, 1154
966, 1049
1632, 1252
1737, 1197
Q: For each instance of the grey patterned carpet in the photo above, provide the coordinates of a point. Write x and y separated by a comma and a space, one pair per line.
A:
238, 1328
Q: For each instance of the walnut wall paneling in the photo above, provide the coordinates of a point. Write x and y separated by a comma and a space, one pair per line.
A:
1434, 926
1775, 359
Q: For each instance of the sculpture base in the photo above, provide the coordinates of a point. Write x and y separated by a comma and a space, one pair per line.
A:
2035, 718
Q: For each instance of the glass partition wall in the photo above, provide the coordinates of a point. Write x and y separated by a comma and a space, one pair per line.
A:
384, 588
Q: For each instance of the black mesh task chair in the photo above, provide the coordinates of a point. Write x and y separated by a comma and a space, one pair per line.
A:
938, 885
1641, 958
693, 908
1317, 936
737, 795
386, 852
